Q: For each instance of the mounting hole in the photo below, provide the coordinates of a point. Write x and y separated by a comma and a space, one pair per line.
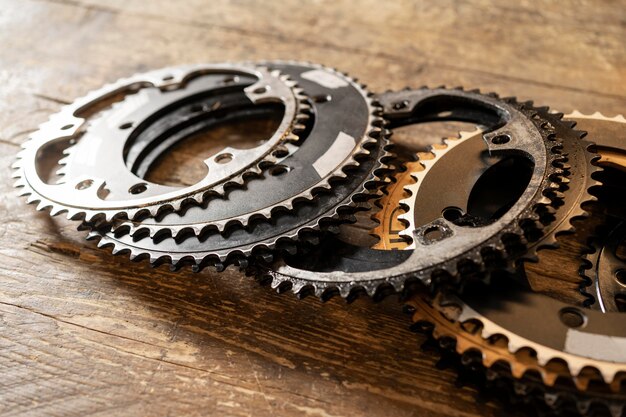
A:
278, 170
399, 105
620, 275
322, 98
84, 184
500, 139
67, 127
168, 78
126, 125
452, 214
280, 153
138, 188
223, 158
572, 317
620, 302
433, 233
260, 90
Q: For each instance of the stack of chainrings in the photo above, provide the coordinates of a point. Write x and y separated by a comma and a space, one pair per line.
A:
459, 230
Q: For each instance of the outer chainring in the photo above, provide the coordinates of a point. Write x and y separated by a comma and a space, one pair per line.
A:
99, 181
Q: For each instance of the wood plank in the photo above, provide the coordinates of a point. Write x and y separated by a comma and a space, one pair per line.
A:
540, 42
94, 46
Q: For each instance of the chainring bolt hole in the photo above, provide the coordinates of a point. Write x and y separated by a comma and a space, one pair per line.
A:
280, 153
620, 275
400, 105
500, 139
322, 98
572, 317
452, 214
138, 188
83, 185
224, 158
279, 170
433, 234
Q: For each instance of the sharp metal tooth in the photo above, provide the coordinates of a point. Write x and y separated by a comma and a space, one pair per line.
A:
344, 290
319, 292
297, 287
115, 250
32, 198
371, 289
275, 283
43, 205
544, 200
56, 210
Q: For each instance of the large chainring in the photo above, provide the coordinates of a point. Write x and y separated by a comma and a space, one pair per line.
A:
334, 167
444, 250
535, 340
99, 180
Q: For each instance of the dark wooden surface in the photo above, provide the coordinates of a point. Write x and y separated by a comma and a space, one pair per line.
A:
85, 333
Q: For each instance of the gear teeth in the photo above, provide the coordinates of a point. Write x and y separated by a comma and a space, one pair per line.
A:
532, 219
478, 351
597, 115
307, 195
344, 291
302, 108
276, 283
543, 357
504, 249
328, 223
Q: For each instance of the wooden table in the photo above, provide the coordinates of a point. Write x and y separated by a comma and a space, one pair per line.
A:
85, 333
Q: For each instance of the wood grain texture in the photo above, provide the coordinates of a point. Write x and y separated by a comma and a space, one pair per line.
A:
85, 333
